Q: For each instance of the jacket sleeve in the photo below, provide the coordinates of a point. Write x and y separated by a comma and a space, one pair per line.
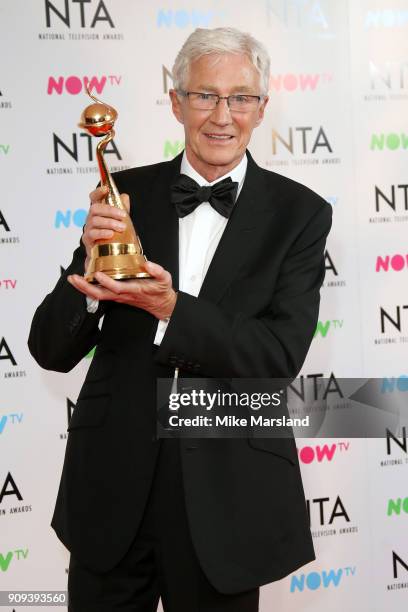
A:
62, 331
205, 339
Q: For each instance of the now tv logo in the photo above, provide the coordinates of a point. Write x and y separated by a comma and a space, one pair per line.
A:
5, 558
315, 580
396, 505
322, 327
66, 218
319, 453
394, 262
391, 141
298, 82
386, 18
75, 84
8, 283
10, 419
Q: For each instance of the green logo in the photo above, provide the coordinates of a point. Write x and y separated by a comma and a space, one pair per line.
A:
5, 561
396, 505
322, 327
392, 141
172, 148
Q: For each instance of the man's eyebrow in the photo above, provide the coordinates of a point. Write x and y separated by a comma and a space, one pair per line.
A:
206, 88
238, 89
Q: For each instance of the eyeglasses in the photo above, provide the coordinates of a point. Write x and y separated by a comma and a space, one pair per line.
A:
241, 103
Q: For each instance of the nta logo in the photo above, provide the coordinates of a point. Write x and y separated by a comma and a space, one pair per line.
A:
5, 352
306, 139
394, 199
397, 560
10, 488
391, 74
75, 84
402, 444
62, 13
70, 409
86, 151
167, 76
394, 319
329, 263
314, 387
336, 510
307, 14
3, 222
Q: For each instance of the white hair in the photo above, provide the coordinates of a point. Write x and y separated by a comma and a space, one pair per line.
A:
221, 40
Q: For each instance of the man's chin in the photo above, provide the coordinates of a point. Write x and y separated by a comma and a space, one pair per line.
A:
221, 159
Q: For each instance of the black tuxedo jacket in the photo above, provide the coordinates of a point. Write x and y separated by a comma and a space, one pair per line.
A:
254, 317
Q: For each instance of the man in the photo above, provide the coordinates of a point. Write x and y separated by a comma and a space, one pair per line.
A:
236, 272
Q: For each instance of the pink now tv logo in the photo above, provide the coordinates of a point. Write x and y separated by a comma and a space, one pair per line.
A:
320, 453
75, 84
395, 262
298, 82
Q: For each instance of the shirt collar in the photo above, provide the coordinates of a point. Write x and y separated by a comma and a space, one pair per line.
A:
237, 174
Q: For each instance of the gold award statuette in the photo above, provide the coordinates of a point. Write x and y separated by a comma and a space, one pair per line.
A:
121, 257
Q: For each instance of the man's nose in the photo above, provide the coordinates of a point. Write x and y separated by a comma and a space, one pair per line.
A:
221, 115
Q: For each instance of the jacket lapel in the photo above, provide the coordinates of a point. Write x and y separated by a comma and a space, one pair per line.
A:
253, 208
161, 243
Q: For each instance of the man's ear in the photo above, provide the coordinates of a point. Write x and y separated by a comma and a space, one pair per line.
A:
176, 105
261, 111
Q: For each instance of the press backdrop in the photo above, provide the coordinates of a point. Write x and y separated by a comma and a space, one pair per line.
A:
337, 123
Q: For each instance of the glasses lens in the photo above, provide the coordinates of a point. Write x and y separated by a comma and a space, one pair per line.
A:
202, 101
243, 103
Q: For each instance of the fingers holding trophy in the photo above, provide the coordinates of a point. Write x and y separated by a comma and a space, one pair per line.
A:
121, 256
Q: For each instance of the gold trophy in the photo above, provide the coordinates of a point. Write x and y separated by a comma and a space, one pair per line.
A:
121, 257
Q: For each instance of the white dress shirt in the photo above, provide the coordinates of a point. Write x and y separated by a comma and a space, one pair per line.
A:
199, 235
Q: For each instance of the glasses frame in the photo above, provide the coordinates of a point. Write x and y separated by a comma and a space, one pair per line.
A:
186, 94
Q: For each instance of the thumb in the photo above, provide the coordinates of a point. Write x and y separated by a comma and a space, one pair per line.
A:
125, 201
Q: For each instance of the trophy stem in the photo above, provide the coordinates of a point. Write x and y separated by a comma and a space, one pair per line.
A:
112, 197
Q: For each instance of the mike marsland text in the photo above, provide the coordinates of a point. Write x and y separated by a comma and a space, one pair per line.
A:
232, 421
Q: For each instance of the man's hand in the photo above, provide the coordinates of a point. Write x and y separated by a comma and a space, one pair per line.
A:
102, 220
155, 295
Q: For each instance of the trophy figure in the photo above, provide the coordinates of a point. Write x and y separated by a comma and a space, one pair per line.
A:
121, 256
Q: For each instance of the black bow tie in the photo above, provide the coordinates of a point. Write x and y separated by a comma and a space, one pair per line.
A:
186, 195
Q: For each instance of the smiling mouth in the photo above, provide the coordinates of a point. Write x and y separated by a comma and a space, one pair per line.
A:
219, 137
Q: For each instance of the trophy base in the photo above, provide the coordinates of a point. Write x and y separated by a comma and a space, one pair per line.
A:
118, 261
